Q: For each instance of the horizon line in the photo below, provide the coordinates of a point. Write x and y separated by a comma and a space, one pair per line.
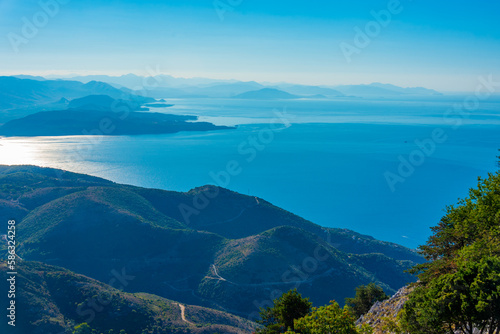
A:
70, 75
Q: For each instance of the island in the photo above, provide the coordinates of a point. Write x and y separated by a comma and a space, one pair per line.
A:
159, 105
77, 122
266, 94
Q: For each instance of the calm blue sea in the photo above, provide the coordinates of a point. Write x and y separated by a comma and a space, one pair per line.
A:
327, 161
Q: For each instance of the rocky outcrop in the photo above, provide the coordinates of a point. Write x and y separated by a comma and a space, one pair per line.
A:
383, 316
383, 313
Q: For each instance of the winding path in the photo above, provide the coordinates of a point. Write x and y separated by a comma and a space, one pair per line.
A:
309, 279
183, 314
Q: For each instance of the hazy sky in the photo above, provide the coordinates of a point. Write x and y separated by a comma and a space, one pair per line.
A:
443, 45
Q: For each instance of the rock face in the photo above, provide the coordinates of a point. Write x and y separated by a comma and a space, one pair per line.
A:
384, 311
382, 314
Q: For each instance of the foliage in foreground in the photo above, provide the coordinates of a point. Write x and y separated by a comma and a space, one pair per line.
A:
366, 296
327, 319
292, 314
287, 308
459, 288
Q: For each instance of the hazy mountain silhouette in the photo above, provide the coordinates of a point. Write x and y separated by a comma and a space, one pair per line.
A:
266, 94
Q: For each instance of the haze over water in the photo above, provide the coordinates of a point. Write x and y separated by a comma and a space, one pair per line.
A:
323, 160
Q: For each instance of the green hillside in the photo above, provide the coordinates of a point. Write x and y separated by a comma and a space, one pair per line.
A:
234, 245
54, 300
284, 258
234, 216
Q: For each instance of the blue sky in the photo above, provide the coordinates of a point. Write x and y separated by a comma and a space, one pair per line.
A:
443, 45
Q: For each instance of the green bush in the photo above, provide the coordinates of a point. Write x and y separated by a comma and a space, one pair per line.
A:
366, 296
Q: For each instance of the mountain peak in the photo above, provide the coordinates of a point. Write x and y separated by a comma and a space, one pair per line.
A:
266, 94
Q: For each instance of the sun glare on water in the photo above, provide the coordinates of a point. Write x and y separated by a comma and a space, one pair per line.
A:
17, 151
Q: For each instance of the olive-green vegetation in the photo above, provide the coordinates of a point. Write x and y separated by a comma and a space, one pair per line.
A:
285, 310
82, 328
55, 300
327, 319
291, 314
202, 247
459, 287
366, 296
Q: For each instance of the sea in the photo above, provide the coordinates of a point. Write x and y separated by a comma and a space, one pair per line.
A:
387, 168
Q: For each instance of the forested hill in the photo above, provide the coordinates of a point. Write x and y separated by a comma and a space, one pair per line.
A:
234, 245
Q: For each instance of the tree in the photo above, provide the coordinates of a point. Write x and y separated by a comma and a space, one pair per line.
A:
83, 328
327, 319
285, 310
459, 287
366, 296
467, 299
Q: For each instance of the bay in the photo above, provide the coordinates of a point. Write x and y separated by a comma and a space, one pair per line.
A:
327, 161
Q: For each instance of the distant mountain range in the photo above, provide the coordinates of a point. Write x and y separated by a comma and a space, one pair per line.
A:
203, 247
266, 94
165, 86
103, 103
310, 90
135, 82
381, 90
18, 93
24, 95
21, 97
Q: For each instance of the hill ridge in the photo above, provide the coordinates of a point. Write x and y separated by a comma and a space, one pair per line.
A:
90, 226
